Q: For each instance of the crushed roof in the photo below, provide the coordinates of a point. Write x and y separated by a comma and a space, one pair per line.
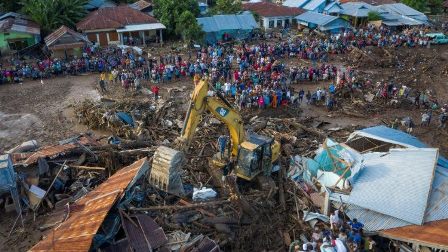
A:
78, 231
58, 150
397, 183
113, 18
398, 137
268, 9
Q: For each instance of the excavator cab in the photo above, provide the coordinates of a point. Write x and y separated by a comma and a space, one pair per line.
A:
254, 157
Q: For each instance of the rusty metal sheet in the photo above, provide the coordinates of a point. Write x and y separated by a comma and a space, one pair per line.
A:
77, 232
207, 245
154, 233
137, 239
432, 234
58, 150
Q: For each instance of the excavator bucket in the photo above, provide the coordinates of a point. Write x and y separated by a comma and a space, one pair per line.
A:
166, 170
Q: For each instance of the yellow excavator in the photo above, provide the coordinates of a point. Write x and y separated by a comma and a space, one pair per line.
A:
250, 154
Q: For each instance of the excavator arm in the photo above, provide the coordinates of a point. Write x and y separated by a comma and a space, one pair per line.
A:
220, 108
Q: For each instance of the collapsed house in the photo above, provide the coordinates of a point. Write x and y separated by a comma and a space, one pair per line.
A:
388, 180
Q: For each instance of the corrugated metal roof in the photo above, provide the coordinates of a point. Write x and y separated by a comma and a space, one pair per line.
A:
295, 3
373, 221
333, 7
77, 232
140, 5
357, 9
69, 35
313, 4
57, 150
227, 22
389, 135
438, 201
401, 9
433, 234
315, 18
397, 184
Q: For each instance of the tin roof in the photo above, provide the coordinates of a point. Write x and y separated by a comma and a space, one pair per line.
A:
397, 183
268, 9
314, 4
295, 3
58, 150
372, 2
398, 137
12, 24
140, 5
227, 22
77, 232
433, 234
113, 18
65, 35
316, 18
357, 9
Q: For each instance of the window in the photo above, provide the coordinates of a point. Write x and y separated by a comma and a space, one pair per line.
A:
287, 23
279, 23
271, 23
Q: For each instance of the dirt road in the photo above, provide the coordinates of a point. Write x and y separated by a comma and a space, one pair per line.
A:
33, 110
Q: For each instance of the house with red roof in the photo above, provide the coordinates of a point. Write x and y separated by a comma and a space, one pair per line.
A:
273, 15
121, 25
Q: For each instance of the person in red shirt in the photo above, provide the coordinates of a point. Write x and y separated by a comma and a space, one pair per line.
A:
155, 91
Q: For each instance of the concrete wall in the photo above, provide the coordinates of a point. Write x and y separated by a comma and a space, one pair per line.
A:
29, 39
279, 22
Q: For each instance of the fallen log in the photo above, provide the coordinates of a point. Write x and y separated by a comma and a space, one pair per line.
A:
176, 207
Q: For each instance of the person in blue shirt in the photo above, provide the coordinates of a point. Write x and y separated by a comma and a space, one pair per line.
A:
355, 225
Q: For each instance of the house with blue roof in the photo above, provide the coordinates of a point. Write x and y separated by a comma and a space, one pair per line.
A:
227, 27
322, 22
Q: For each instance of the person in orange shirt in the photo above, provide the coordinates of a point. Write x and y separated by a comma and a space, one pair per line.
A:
197, 78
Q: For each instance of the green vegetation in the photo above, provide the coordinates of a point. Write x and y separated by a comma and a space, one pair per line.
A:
373, 16
188, 28
169, 13
50, 15
227, 7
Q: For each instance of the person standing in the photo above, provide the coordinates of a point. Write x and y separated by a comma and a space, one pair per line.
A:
155, 90
442, 120
301, 94
103, 82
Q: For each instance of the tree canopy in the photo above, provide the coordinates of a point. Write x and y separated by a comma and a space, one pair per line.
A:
416, 4
188, 28
168, 12
373, 16
227, 7
50, 15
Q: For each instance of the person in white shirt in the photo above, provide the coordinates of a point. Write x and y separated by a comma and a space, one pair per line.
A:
340, 246
335, 221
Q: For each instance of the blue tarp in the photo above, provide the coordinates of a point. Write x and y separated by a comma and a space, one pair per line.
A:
126, 118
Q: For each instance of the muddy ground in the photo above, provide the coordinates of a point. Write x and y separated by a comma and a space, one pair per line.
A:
44, 112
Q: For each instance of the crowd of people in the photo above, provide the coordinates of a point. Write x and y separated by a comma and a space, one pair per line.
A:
252, 75
343, 236
168, 68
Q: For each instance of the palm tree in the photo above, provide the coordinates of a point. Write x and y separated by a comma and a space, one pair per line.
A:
50, 14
